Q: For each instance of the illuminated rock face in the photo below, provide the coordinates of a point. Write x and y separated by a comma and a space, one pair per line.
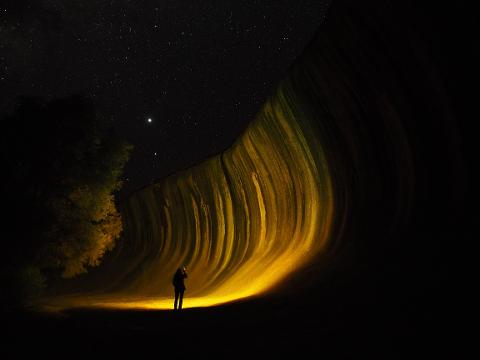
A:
335, 171
241, 221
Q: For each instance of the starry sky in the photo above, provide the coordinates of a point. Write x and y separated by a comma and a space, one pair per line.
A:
199, 70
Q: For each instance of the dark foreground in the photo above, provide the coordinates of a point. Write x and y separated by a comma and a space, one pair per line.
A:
264, 328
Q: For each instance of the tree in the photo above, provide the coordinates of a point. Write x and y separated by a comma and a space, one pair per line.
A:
62, 165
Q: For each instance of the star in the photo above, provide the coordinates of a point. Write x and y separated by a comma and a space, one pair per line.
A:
158, 68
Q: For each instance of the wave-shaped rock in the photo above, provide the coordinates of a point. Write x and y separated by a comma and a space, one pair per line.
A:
344, 155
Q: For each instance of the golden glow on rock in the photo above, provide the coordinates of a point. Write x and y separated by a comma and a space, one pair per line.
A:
241, 221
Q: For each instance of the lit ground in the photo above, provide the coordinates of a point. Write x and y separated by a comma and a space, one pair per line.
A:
126, 303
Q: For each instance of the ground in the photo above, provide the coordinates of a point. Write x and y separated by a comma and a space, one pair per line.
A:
267, 328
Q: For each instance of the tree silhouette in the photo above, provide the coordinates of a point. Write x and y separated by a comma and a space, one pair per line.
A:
62, 164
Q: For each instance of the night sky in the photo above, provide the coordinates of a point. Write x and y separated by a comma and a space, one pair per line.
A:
199, 70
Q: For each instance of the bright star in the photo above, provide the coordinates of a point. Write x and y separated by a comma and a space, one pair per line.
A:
149, 120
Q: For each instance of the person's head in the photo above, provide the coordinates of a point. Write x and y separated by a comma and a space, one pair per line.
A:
184, 268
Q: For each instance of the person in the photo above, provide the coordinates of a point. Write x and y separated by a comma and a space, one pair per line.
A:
179, 286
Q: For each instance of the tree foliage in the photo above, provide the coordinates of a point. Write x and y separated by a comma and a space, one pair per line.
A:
62, 165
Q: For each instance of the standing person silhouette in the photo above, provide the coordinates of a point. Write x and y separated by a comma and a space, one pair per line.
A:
179, 286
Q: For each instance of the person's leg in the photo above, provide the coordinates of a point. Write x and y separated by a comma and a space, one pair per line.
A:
180, 300
175, 304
